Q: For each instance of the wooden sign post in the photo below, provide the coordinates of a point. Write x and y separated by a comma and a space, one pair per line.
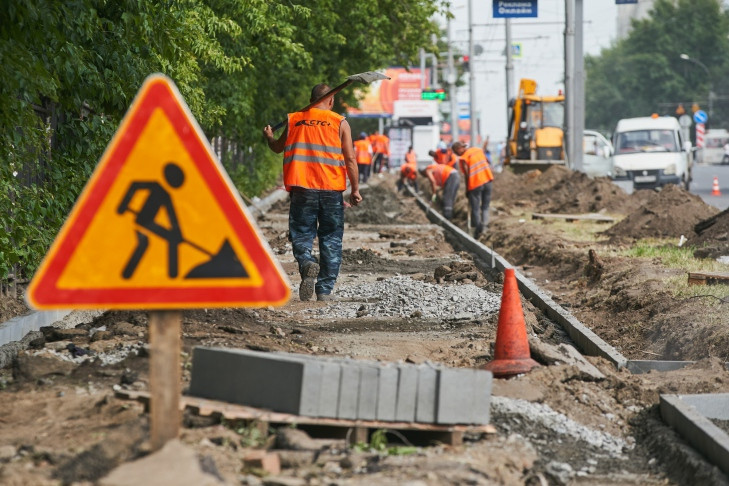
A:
165, 331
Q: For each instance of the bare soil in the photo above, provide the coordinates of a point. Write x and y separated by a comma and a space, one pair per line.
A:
63, 424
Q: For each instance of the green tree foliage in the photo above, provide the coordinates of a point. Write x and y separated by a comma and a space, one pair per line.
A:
644, 73
71, 69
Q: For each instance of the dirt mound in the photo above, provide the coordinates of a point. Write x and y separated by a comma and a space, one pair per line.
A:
712, 240
560, 190
361, 257
672, 212
380, 205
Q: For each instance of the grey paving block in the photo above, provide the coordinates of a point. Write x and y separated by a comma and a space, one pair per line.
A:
453, 385
329, 392
387, 392
348, 391
427, 395
367, 396
481, 405
407, 389
264, 380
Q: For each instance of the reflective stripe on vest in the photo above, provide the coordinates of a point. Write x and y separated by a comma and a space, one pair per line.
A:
362, 151
476, 168
313, 156
441, 173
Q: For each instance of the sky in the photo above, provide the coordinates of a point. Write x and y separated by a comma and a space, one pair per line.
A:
542, 44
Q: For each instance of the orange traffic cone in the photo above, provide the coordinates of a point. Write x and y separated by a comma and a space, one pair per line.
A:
715, 187
511, 356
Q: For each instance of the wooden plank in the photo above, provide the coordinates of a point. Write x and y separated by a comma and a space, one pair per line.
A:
164, 376
597, 218
708, 278
241, 412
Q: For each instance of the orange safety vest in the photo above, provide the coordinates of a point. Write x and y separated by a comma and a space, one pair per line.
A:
380, 144
476, 168
363, 151
313, 156
409, 170
440, 173
446, 158
411, 158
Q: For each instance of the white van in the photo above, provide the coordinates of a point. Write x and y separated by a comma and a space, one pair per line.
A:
651, 152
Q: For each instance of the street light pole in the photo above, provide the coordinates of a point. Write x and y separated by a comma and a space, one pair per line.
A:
688, 58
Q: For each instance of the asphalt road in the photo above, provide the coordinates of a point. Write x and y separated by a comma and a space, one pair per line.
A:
703, 180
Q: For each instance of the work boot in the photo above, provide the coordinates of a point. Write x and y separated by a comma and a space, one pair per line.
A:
308, 280
325, 297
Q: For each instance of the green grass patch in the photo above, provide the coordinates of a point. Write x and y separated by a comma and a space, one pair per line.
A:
712, 295
673, 256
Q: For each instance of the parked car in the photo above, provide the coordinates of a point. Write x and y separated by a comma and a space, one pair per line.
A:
597, 152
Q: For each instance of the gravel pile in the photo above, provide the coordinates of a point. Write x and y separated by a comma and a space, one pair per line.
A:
401, 296
528, 418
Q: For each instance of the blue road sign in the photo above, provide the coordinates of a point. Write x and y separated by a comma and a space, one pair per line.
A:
700, 116
619, 2
514, 8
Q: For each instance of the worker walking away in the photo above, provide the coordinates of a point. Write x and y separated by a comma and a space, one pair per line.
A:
381, 149
363, 154
477, 171
409, 171
446, 177
318, 159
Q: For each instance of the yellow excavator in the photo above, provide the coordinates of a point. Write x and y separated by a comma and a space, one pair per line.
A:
536, 134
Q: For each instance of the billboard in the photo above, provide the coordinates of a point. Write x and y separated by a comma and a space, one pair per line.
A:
379, 100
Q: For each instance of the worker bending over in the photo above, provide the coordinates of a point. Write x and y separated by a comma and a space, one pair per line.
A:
409, 171
446, 177
318, 158
477, 171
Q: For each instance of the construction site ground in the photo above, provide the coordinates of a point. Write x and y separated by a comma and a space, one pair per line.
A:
62, 424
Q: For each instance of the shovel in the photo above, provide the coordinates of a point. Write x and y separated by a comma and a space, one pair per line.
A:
365, 78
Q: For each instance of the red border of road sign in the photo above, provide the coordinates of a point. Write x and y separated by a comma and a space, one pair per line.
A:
157, 92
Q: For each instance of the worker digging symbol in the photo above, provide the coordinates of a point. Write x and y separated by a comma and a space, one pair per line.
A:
223, 264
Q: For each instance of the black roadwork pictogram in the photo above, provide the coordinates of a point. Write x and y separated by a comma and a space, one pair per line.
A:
223, 264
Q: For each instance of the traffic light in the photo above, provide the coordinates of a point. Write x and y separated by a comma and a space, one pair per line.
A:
464, 63
433, 94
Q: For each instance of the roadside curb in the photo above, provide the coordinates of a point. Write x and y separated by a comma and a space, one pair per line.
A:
17, 327
690, 416
587, 341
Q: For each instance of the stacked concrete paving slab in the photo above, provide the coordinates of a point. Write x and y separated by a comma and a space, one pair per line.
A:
342, 388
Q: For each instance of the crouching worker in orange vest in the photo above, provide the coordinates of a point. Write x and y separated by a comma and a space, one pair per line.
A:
318, 159
409, 171
363, 153
477, 171
446, 177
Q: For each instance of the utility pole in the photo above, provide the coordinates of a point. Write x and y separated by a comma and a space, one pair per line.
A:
509, 63
574, 77
452, 88
579, 87
422, 69
569, 81
471, 78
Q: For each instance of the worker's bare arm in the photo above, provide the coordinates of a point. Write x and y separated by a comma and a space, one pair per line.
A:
277, 145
